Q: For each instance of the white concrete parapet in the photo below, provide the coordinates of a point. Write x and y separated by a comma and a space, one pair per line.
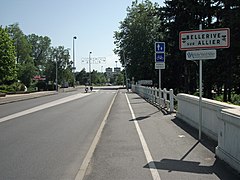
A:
228, 148
188, 110
220, 121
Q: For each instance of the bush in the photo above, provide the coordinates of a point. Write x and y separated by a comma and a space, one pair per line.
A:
17, 86
236, 99
41, 85
3, 88
3, 91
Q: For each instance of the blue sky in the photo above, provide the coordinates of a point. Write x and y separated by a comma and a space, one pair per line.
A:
91, 21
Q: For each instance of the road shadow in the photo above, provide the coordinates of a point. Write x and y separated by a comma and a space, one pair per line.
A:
137, 98
206, 141
108, 88
140, 118
219, 167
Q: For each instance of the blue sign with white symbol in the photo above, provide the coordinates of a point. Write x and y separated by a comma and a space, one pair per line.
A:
159, 57
159, 47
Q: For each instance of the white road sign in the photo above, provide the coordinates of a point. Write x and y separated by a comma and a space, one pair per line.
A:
160, 65
201, 54
204, 39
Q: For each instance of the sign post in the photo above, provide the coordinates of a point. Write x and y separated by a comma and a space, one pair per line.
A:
202, 40
159, 62
200, 96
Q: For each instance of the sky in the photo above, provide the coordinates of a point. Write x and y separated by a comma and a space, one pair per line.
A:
93, 22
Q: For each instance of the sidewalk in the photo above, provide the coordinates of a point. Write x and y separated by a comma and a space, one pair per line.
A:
175, 150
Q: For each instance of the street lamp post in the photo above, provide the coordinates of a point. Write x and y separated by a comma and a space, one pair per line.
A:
74, 60
56, 76
125, 70
90, 82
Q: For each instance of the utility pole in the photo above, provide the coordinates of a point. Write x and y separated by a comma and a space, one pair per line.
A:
90, 82
125, 70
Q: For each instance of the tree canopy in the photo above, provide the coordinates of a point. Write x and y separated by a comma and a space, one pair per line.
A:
7, 58
33, 55
147, 23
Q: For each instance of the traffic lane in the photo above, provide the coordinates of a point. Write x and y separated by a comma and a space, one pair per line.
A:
119, 154
10, 108
51, 144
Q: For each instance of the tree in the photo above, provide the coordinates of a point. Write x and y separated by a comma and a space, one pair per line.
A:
82, 76
61, 56
25, 65
135, 40
120, 79
7, 58
228, 15
22, 46
40, 51
26, 73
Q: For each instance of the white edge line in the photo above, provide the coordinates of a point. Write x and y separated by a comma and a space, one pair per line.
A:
151, 164
88, 157
41, 107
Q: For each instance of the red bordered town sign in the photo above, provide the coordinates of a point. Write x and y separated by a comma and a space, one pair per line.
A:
204, 39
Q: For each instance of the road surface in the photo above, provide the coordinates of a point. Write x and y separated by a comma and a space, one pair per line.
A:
48, 137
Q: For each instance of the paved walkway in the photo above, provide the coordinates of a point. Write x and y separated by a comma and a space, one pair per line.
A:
173, 148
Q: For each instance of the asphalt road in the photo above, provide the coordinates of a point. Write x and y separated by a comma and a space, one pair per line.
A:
48, 137
139, 142
106, 134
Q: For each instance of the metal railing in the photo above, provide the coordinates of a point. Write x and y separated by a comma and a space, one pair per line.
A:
161, 98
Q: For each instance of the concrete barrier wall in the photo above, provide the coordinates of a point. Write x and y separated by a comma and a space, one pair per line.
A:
228, 148
188, 110
220, 121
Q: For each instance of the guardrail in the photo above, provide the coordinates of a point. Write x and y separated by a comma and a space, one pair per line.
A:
162, 98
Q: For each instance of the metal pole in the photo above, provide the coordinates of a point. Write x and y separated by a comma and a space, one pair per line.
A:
125, 70
74, 60
56, 76
90, 82
200, 100
160, 94
200, 96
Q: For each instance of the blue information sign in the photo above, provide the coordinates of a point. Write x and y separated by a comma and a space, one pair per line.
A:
159, 57
159, 47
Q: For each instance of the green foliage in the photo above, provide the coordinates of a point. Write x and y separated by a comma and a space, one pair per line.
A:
22, 46
35, 56
146, 23
26, 72
135, 39
235, 99
7, 58
98, 78
40, 52
15, 87
82, 77
120, 79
